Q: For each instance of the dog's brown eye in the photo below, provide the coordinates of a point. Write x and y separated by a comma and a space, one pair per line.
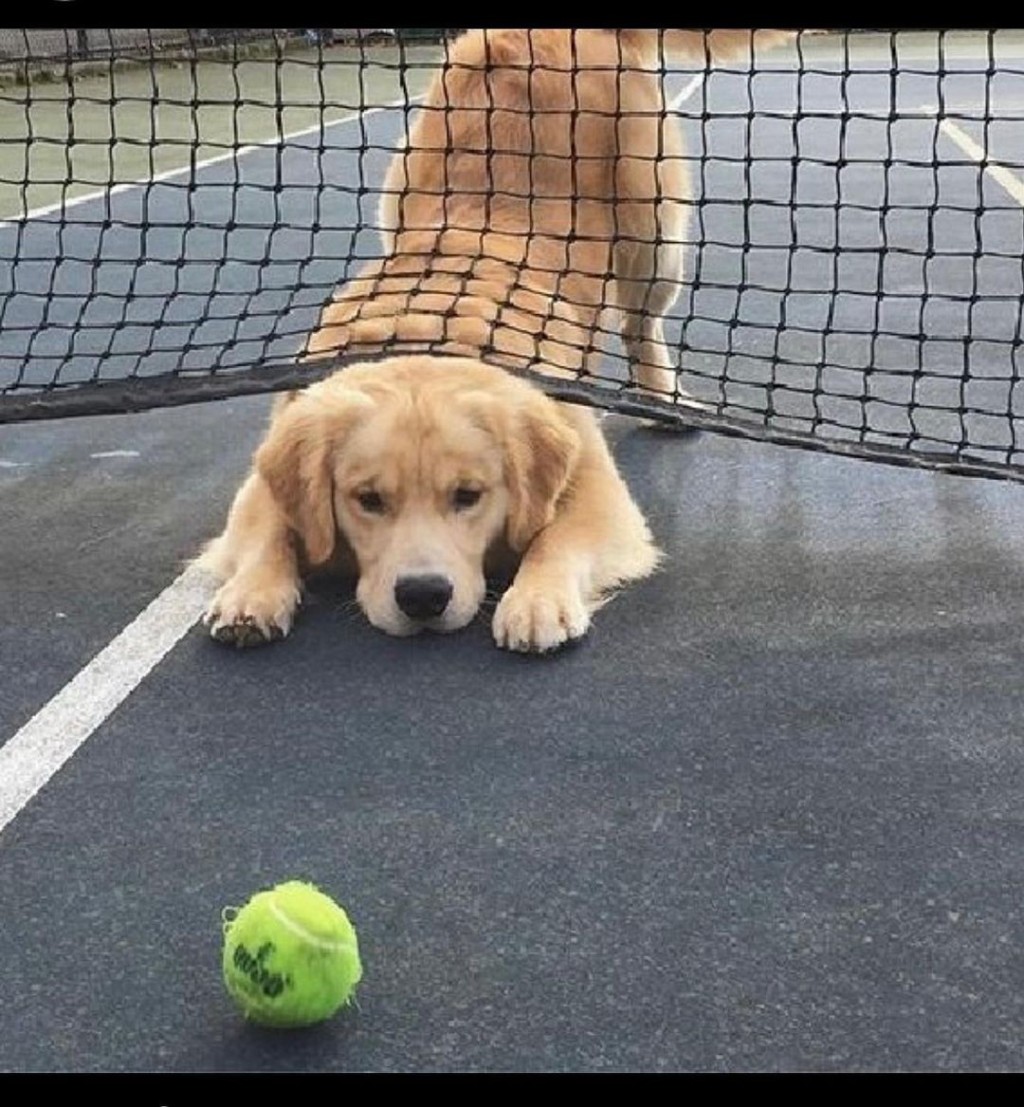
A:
466, 497
373, 502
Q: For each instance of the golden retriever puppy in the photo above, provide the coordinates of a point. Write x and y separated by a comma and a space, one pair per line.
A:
540, 190
422, 465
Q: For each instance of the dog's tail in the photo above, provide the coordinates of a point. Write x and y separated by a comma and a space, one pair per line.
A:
708, 46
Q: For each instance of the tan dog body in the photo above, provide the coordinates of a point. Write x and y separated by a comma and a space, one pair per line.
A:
540, 190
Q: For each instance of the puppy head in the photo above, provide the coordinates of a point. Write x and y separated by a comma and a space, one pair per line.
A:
421, 465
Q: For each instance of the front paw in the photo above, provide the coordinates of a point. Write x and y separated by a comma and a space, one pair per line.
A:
538, 620
245, 616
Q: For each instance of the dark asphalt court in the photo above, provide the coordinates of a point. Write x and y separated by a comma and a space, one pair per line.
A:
765, 818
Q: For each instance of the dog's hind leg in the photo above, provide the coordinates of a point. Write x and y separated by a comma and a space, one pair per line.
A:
648, 277
649, 253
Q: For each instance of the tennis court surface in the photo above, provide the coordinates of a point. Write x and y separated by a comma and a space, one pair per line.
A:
766, 817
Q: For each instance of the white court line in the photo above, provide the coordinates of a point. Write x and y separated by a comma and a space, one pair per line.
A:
894, 115
167, 174
38, 750
51, 736
687, 91
999, 173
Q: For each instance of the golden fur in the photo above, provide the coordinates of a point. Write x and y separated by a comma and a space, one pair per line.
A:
541, 188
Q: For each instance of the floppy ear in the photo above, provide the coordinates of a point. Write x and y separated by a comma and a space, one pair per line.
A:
296, 460
540, 454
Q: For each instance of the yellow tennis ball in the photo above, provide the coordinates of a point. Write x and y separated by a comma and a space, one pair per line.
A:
291, 957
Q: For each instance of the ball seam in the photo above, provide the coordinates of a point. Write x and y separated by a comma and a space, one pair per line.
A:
307, 936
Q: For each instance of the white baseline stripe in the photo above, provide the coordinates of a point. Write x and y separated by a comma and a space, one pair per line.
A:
687, 91
999, 173
167, 174
39, 749
51, 736
892, 116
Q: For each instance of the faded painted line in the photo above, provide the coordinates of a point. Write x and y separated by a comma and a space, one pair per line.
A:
35, 753
1010, 182
167, 174
686, 92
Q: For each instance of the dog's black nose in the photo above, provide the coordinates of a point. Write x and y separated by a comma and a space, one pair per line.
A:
423, 597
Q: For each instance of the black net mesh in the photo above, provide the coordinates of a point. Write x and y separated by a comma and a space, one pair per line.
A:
176, 208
